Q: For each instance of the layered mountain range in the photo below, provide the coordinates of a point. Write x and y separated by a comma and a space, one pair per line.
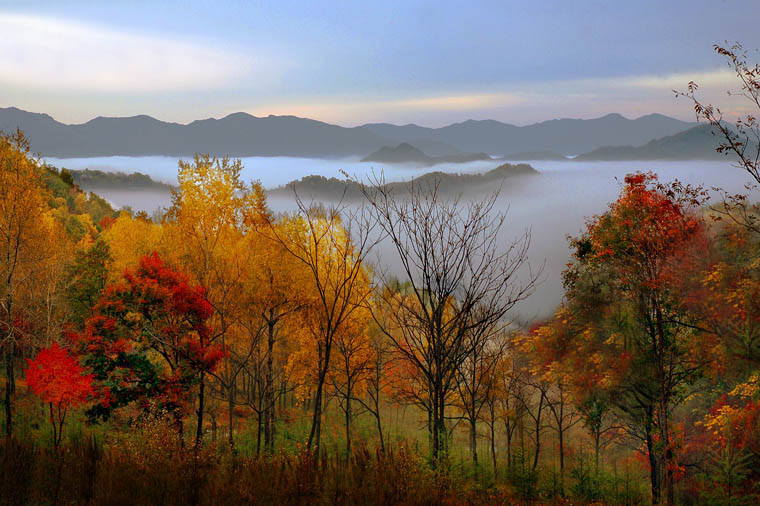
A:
241, 134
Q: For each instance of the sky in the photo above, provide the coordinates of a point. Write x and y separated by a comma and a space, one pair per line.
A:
356, 62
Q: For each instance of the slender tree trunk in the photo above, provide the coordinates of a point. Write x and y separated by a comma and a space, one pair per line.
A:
269, 386
493, 441
231, 415
9, 384
561, 434
380, 429
474, 441
509, 443
597, 437
201, 400
348, 421
654, 471
316, 422
538, 432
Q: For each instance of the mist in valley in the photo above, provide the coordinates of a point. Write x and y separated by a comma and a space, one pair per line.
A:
551, 205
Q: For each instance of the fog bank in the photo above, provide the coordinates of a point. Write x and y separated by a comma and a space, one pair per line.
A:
553, 204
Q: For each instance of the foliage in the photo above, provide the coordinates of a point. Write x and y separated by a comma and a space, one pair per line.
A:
147, 339
59, 381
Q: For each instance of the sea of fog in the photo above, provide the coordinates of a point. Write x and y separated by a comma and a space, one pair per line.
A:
551, 205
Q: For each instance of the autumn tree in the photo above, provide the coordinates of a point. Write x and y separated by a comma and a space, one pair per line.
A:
211, 209
632, 332
130, 238
378, 383
26, 232
332, 244
274, 294
460, 282
58, 380
87, 276
351, 367
147, 338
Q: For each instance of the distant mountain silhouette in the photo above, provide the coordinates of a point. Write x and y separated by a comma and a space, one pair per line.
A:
564, 136
241, 134
320, 187
405, 153
535, 155
697, 143
238, 134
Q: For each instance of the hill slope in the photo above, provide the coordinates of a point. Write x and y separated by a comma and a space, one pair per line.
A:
405, 153
697, 143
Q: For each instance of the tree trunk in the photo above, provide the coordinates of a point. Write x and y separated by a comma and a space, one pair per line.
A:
561, 434
380, 431
538, 432
474, 441
9, 384
597, 437
316, 421
348, 421
201, 399
654, 472
493, 443
231, 415
269, 390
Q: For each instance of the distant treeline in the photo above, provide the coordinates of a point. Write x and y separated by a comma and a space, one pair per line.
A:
447, 183
90, 179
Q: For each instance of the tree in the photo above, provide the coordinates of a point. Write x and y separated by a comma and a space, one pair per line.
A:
631, 330
87, 278
332, 244
351, 368
59, 381
275, 294
129, 239
460, 283
211, 211
26, 242
147, 338
742, 138
377, 378
476, 380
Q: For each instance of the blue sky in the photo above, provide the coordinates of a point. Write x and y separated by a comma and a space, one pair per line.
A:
430, 63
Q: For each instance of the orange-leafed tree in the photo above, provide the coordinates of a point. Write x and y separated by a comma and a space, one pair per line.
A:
351, 368
27, 231
332, 246
212, 209
59, 381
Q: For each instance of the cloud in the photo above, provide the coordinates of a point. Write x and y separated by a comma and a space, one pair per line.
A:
352, 109
522, 102
61, 55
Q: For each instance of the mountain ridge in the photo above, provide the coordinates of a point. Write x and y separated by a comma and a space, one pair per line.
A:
242, 134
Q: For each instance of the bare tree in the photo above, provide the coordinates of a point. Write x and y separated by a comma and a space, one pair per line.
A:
460, 281
741, 137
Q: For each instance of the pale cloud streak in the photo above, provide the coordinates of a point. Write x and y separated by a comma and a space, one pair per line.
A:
54, 54
588, 97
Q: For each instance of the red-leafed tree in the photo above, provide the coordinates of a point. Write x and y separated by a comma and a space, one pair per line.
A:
148, 340
624, 302
59, 381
